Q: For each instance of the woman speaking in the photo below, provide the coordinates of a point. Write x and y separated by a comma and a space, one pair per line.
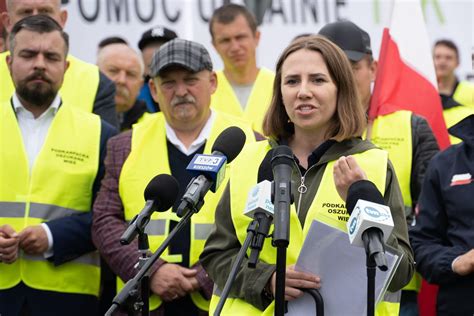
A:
315, 110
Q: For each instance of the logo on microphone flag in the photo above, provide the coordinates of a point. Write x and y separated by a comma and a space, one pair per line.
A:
212, 166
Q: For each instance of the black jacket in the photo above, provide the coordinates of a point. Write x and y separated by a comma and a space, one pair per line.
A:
104, 103
425, 147
445, 228
132, 116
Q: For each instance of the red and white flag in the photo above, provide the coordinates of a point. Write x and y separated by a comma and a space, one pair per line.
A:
406, 77
406, 80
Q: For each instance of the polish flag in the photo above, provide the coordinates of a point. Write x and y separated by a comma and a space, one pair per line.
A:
406, 80
406, 77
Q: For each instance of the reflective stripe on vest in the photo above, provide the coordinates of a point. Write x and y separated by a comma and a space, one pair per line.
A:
149, 140
12, 209
60, 185
225, 100
156, 227
49, 212
373, 162
79, 88
92, 258
393, 133
454, 115
202, 231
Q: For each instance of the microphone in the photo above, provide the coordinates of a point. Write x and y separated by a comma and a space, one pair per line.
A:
209, 170
260, 207
160, 194
370, 222
282, 163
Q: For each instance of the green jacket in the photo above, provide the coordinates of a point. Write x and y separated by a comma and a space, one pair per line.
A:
222, 245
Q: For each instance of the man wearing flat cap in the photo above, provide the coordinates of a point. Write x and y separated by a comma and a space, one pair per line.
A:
150, 41
182, 82
406, 136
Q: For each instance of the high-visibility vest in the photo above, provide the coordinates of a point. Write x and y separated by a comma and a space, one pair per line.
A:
464, 94
373, 162
59, 185
148, 158
79, 88
454, 115
393, 133
225, 100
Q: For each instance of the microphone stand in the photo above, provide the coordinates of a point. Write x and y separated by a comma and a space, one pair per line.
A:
143, 248
130, 288
137, 226
280, 303
281, 239
318, 300
371, 266
258, 240
375, 257
251, 231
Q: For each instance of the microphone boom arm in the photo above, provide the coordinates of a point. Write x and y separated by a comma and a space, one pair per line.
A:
194, 198
132, 285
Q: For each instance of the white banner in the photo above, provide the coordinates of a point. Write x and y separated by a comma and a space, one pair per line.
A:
90, 21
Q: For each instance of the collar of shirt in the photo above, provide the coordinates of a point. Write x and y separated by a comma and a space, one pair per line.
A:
21, 110
315, 155
34, 131
201, 139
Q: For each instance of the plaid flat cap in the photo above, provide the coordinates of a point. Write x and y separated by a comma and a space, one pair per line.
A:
178, 52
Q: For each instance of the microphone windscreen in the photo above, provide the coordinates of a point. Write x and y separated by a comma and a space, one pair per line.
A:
362, 190
265, 171
230, 142
162, 189
282, 155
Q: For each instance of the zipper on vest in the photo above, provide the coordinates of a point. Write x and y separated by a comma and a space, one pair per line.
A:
302, 190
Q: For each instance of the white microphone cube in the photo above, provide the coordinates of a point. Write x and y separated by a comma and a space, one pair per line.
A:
366, 215
259, 198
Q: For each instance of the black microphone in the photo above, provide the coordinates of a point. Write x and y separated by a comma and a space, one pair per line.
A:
362, 190
262, 214
282, 162
160, 194
211, 169
373, 218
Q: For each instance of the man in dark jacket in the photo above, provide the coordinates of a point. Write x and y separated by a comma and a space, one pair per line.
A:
406, 136
125, 68
443, 239
151, 40
457, 96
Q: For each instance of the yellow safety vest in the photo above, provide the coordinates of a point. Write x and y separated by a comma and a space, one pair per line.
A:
59, 185
393, 133
225, 100
373, 162
464, 94
454, 115
149, 140
79, 88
